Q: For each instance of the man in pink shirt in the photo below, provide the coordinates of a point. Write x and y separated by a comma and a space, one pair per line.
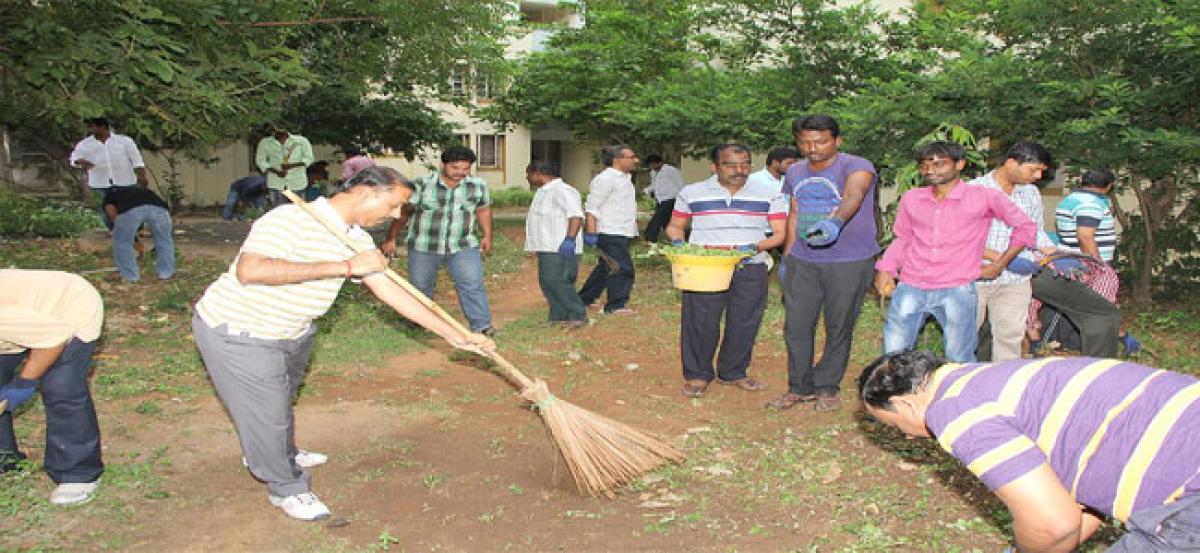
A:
355, 162
940, 233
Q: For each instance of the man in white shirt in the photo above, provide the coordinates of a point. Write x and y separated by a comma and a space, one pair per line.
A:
554, 220
283, 157
778, 161
611, 221
110, 159
665, 183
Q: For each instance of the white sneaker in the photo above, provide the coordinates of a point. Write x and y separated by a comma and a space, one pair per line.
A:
309, 459
303, 506
73, 493
304, 459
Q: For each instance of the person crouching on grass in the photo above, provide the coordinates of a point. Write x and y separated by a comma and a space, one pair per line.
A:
1062, 442
254, 325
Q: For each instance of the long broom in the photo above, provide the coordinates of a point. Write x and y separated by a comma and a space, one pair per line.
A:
601, 454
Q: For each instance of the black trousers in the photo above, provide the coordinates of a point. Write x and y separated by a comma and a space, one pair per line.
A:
809, 288
72, 431
619, 284
742, 306
658, 221
1098, 320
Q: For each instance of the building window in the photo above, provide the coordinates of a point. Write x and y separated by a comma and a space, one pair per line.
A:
483, 87
458, 81
490, 150
465, 140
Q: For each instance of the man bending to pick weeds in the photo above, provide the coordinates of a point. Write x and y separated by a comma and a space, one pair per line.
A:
254, 325
1062, 442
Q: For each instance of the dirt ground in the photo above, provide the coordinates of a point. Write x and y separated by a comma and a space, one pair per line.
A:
430, 451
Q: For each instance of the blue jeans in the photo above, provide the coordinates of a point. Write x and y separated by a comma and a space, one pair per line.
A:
72, 453
954, 309
125, 231
619, 284
466, 269
231, 202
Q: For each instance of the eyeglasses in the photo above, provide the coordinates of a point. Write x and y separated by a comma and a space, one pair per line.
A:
735, 164
634, 156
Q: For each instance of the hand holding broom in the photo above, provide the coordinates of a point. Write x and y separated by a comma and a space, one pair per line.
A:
600, 453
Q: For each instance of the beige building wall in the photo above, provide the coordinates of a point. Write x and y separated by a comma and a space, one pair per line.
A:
207, 184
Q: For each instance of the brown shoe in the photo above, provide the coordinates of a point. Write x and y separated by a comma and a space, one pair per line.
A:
828, 403
746, 384
694, 388
789, 400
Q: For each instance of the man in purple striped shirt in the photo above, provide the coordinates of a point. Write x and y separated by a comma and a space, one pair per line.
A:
1063, 442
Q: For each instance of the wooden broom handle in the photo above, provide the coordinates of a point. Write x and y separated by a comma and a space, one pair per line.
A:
509, 370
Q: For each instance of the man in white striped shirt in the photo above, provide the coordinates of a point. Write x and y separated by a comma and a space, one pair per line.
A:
1004, 302
610, 222
727, 211
254, 325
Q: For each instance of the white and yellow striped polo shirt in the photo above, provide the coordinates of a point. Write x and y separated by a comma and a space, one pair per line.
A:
282, 311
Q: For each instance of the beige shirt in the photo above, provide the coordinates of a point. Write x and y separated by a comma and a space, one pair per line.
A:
42, 309
282, 311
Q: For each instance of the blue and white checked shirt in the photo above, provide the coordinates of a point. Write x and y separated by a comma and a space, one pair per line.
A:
1029, 199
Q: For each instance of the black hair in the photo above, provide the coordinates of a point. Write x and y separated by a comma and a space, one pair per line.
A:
653, 158
715, 155
941, 148
377, 177
351, 151
545, 167
458, 153
1098, 178
609, 153
896, 374
815, 122
1027, 151
98, 121
781, 153
318, 168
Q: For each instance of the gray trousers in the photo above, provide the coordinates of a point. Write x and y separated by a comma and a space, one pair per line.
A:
1174, 527
258, 380
742, 307
809, 288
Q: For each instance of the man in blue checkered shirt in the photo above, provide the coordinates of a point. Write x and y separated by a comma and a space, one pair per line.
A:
1004, 302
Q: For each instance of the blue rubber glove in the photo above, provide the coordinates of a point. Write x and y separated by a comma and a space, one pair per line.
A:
677, 243
1068, 265
590, 240
823, 233
749, 248
566, 250
1132, 345
18, 391
1022, 266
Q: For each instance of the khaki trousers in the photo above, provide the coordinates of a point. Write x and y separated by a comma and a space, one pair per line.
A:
1006, 307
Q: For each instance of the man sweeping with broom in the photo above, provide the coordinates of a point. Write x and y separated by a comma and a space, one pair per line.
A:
254, 325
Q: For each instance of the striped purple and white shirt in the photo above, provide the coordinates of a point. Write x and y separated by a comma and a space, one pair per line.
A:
722, 219
1121, 437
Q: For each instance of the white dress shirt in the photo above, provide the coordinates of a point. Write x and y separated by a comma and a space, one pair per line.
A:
113, 160
665, 183
554, 204
764, 176
612, 200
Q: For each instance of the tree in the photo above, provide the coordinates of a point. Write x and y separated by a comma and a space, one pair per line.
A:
1102, 84
172, 74
382, 69
182, 76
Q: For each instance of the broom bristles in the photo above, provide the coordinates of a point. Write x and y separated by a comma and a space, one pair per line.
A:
601, 454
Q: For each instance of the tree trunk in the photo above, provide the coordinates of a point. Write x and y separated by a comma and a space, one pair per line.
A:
1143, 287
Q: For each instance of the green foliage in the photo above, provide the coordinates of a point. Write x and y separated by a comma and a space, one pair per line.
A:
24, 217
513, 196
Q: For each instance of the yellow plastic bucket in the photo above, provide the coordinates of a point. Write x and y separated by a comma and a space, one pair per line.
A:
703, 273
